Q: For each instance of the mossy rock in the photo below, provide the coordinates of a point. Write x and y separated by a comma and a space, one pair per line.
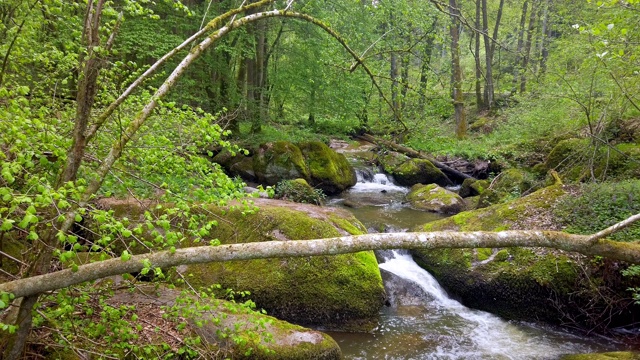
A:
565, 153
391, 160
257, 336
244, 169
342, 292
520, 283
473, 187
277, 161
482, 125
329, 170
509, 184
435, 199
624, 161
419, 171
501, 216
579, 160
616, 355
298, 190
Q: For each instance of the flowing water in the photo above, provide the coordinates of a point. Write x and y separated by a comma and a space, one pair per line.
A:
422, 321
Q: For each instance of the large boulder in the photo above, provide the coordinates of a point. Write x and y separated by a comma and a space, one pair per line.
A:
329, 170
435, 199
342, 292
225, 329
391, 160
277, 161
528, 283
419, 171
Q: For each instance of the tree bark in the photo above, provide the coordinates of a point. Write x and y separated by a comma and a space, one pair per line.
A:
516, 64
456, 78
476, 56
488, 49
584, 244
544, 44
527, 47
424, 68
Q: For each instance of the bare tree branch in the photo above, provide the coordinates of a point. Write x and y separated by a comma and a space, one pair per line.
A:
584, 244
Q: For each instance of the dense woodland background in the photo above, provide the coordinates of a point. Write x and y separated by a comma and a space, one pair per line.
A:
490, 80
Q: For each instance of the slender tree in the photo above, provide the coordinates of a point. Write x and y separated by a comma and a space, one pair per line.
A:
456, 77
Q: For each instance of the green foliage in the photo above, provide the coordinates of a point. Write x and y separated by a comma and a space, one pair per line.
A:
599, 206
299, 191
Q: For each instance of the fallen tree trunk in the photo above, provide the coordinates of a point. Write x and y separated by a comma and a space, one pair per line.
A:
449, 171
584, 244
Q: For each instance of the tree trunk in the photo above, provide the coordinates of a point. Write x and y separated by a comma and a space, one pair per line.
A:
393, 73
527, 47
476, 56
488, 49
406, 62
516, 64
424, 68
457, 96
544, 44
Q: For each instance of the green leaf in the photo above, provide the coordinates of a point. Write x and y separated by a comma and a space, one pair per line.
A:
125, 256
7, 225
78, 218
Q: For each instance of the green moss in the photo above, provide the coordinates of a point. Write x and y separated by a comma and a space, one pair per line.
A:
280, 160
352, 228
483, 253
419, 171
501, 255
436, 199
515, 281
566, 152
618, 355
500, 216
391, 160
329, 170
343, 291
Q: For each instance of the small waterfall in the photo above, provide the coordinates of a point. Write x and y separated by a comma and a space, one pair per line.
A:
375, 182
472, 334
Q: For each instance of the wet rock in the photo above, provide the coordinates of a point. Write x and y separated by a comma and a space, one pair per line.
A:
277, 161
391, 160
338, 292
419, 171
435, 199
328, 170
473, 187
528, 283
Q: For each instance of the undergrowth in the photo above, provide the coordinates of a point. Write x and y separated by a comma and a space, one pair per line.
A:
601, 205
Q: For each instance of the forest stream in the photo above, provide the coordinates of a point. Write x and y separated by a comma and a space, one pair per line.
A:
422, 321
